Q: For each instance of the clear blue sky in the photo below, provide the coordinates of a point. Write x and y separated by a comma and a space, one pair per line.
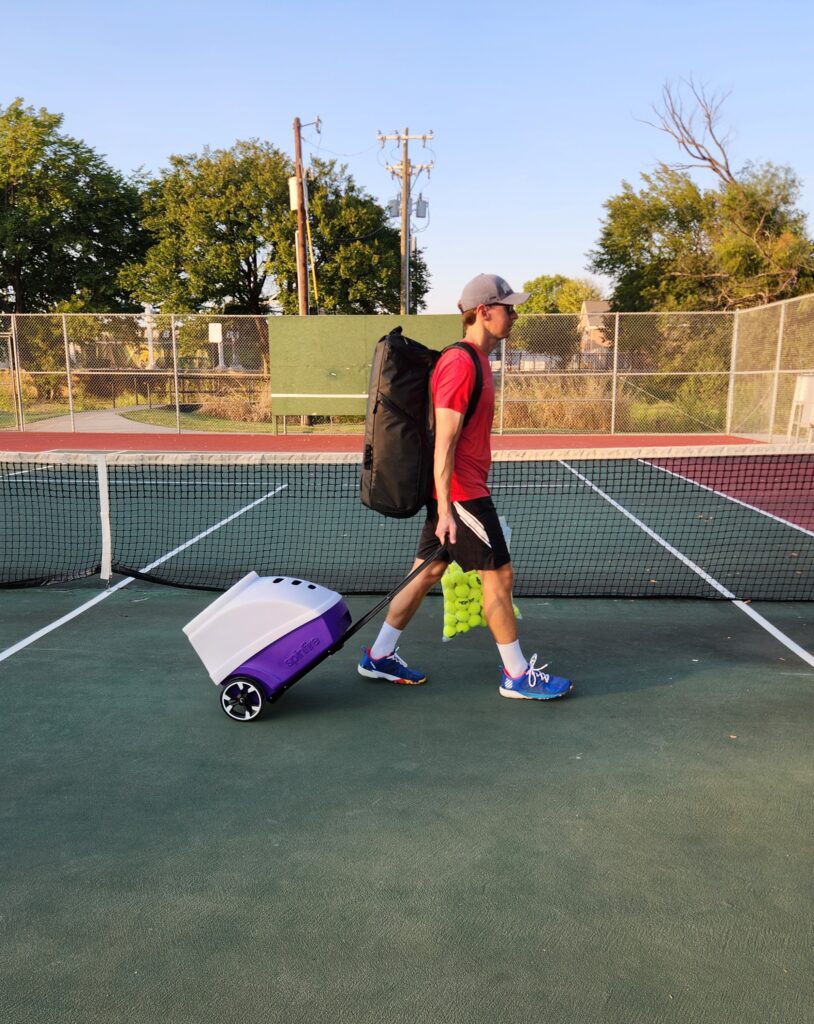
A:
535, 106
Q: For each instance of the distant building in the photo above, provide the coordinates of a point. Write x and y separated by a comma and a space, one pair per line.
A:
595, 346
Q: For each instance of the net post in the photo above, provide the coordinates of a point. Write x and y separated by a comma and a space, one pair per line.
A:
104, 516
68, 371
775, 386
615, 373
733, 362
175, 374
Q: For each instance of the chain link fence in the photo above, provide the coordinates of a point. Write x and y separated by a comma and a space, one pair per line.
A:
772, 389
618, 373
749, 373
167, 371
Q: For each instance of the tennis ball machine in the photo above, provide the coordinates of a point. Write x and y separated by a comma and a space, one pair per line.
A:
266, 632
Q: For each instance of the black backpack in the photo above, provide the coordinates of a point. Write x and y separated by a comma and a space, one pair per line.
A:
397, 468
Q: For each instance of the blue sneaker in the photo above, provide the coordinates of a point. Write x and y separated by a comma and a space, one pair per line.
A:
535, 684
391, 667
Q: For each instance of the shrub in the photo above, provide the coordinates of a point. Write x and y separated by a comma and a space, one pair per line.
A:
554, 403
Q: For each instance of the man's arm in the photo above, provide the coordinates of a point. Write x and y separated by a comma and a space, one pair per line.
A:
448, 427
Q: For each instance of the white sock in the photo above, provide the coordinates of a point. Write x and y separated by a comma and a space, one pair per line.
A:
513, 660
385, 642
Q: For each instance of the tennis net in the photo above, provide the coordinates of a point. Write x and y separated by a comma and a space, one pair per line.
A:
734, 522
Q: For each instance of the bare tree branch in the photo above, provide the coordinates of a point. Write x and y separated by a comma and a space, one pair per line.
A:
695, 130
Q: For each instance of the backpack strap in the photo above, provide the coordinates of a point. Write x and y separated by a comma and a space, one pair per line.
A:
474, 398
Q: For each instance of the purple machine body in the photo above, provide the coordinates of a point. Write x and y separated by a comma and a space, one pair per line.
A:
282, 662
267, 632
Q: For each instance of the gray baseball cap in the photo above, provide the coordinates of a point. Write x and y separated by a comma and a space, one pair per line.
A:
489, 290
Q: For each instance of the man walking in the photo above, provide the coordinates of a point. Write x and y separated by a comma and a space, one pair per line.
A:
462, 515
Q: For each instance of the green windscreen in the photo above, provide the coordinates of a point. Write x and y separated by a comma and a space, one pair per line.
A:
320, 365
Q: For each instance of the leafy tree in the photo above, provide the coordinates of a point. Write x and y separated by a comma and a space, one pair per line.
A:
356, 251
676, 245
68, 221
216, 221
656, 244
554, 293
223, 237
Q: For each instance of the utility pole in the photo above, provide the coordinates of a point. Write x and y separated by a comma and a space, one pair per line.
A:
406, 172
302, 264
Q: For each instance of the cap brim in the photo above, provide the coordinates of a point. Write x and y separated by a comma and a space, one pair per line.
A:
513, 299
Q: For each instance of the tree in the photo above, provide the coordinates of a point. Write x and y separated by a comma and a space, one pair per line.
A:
68, 221
356, 251
216, 221
676, 245
554, 293
223, 237
656, 244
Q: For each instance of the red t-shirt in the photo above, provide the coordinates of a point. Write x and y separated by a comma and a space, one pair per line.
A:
452, 384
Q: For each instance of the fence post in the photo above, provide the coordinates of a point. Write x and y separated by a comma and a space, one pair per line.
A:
776, 384
615, 377
733, 362
502, 383
175, 375
68, 371
16, 390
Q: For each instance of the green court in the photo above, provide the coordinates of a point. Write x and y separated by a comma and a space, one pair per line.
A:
373, 853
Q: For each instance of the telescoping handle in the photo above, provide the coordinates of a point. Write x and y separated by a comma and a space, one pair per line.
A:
354, 627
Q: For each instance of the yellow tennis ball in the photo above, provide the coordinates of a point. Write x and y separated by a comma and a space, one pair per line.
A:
450, 631
474, 619
461, 590
463, 627
482, 621
516, 611
462, 615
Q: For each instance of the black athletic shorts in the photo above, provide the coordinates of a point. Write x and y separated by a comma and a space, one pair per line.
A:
480, 543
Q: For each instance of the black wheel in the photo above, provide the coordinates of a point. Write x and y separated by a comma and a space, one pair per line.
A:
242, 699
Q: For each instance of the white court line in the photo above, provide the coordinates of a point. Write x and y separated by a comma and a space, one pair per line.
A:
728, 497
9, 651
722, 590
775, 632
27, 641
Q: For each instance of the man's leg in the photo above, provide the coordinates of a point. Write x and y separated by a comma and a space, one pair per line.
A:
497, 603
520, 678
381, 661
405, 604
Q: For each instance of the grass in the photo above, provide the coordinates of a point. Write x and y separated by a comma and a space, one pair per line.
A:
200, 422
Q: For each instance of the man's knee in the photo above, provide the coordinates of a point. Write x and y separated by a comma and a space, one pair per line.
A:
434, 571
501, 579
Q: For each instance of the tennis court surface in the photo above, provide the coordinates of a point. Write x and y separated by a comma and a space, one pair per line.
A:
373, 853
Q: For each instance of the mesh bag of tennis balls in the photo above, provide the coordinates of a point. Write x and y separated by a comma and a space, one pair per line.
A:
463, 601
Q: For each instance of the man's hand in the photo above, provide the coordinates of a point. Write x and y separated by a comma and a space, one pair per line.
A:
445, 531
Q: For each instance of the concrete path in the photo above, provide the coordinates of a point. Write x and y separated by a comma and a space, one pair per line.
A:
106, 421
